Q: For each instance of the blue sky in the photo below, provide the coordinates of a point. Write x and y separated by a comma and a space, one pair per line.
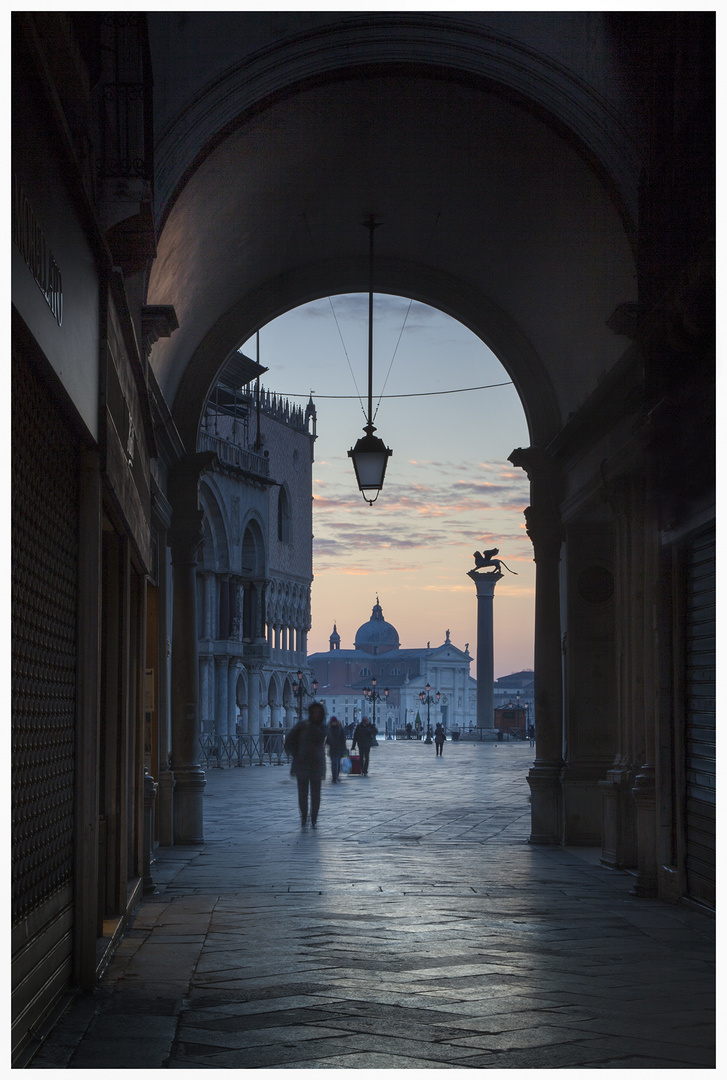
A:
449, 488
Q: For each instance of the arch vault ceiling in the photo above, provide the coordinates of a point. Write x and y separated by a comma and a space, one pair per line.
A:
488, 213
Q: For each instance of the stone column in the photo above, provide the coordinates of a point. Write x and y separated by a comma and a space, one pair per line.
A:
208, 612
545, 529
220, 725
224, 617
232, 676
253, 701
236, 608
185, 537
619, 806
260, 618
485, 585
276, 714
205, 718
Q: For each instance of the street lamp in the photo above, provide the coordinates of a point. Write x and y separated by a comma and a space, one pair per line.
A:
299, 692
369, 692
427, 699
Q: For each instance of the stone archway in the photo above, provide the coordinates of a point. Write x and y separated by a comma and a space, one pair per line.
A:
485, 227
506, 167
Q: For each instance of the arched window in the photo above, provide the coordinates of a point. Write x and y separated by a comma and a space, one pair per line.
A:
283, 516
364, 673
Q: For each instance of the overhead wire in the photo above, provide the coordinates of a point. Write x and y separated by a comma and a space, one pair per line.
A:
390, 397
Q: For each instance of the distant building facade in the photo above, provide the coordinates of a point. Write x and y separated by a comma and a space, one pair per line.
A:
342, 675
513, 691
255, 569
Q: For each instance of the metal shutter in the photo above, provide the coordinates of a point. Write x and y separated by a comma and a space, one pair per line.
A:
700, 725
43, 652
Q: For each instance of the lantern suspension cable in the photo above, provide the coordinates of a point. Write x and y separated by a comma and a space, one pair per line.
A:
371, 226
370, 455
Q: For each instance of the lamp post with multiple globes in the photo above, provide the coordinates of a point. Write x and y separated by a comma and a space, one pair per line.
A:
299, 692
426, 699
369, 692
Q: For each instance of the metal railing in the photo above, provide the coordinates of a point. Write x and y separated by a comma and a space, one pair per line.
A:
238, 751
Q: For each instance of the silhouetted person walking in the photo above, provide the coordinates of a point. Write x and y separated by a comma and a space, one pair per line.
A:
439, 739
306, 744
336, 739
363, 736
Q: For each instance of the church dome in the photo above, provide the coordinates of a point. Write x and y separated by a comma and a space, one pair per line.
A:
376, 635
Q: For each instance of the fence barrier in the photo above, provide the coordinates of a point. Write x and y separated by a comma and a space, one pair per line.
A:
239, 751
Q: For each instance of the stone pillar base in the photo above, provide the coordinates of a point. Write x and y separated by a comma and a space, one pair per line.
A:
582, 804
189, 783
546, 803
619, 848
645, 797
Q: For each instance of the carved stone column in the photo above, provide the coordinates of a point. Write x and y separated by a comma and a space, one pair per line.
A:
221, 665
236, 608
253, 701
233, 672
276, 714
261, 618
545, 529
205, 677
185, 538
223, 631
208, 613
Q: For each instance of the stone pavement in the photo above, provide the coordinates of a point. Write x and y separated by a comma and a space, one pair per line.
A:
415, 928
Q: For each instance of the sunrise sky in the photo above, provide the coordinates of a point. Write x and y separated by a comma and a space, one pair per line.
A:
449, 489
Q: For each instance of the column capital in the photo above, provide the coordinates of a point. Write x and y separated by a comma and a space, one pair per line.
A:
545, 529
542, 519
540, 467
485, 583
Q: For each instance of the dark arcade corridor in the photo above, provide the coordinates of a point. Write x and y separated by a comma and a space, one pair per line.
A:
416, 928
179, 180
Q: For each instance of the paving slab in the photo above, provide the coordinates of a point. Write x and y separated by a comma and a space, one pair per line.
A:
415, 928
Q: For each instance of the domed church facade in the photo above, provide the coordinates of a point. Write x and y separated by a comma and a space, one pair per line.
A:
342, 675
377, 635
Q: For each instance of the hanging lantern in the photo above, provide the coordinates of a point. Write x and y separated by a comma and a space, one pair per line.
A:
369, 457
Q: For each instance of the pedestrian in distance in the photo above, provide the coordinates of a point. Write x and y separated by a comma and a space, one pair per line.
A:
408, 730
363, 737
439, 739
305, 743
336, 740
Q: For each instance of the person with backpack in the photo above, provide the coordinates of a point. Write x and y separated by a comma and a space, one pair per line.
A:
305, 743
439, 739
